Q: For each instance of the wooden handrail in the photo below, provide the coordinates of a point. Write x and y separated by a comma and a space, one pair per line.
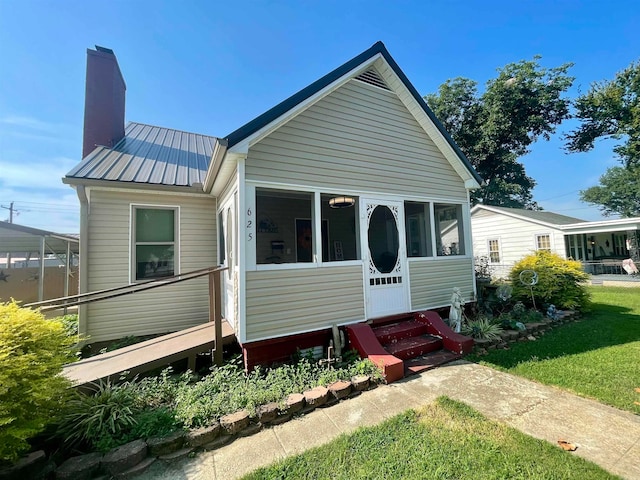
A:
215, 301
84, 298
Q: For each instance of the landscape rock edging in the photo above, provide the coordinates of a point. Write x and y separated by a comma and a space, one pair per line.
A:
133, 458
532, 332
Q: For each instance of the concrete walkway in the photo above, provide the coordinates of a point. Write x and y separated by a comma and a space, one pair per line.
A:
604, 435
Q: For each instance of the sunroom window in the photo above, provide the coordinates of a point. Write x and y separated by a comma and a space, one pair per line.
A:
449, 229
154, 242
418, 228
339, 228
284, 226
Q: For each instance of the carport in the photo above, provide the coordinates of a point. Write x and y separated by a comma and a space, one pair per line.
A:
28, 241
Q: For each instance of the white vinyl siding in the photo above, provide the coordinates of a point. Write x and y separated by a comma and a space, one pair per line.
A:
286, 302
160, 310
359, 138
433, 280
517, 238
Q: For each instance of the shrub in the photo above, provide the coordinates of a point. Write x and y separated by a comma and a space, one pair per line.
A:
70, 322
100, 420
32, 352
560, 282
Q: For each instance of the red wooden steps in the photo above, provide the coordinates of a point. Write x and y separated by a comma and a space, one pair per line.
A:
413, 346
408, 343
398, 331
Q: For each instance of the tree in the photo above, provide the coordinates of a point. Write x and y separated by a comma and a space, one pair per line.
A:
618, 192
611, 110
525, 102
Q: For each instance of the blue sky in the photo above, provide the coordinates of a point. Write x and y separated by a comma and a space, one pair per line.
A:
209, 67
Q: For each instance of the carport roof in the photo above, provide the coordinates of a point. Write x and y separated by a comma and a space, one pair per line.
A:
19, 238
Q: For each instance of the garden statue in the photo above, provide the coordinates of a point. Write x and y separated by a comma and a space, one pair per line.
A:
552, 312
455, 311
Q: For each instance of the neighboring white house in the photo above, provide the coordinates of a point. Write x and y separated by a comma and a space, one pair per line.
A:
330, 208
505, 235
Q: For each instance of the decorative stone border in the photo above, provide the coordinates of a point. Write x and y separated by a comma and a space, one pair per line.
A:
532, 332
132, 459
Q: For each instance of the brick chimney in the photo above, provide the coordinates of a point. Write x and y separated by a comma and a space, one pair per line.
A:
104, 101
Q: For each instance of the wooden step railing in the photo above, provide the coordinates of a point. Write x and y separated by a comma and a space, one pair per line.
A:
215, 310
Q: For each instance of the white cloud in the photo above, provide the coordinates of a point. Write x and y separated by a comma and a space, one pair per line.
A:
39, 174
29, 122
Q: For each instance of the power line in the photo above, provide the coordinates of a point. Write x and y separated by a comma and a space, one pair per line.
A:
12, 210
558, 196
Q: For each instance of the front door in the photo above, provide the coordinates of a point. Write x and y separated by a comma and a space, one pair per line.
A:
384, 255
229, 259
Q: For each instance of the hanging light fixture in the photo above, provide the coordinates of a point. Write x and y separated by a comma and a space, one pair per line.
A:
342, 202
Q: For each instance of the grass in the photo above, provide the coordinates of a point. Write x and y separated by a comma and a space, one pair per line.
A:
597, 357
444, 440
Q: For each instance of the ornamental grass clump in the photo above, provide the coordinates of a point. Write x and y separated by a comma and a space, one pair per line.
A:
32, 353
482, 328
559, 282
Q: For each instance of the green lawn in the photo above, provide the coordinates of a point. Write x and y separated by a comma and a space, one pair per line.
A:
446, 440
597, 357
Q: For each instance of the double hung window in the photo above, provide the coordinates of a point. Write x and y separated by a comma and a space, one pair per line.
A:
543, 242
154, 242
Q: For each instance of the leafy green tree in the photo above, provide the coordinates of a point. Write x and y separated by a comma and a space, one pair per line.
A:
611, 110
32, 391
618, 192
495, 128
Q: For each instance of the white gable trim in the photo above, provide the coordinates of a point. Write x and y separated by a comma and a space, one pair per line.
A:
397, 87
405, 96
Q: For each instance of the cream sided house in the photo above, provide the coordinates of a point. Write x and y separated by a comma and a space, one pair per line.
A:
329, 209
505, 235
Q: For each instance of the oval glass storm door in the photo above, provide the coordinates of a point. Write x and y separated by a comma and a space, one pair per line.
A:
384, 240
386, 288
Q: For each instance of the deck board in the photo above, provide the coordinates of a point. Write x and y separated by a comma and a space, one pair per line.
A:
147, 355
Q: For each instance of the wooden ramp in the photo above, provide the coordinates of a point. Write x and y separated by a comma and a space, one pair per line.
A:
149, 354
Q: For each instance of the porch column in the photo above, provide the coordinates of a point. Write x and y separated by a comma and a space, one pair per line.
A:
634, 245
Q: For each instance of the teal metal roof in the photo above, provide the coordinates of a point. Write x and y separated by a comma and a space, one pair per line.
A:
152, 155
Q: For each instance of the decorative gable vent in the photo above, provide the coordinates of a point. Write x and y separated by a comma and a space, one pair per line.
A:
373, 78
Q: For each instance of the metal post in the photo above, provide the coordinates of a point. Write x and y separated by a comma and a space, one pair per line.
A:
67, 268
41, 279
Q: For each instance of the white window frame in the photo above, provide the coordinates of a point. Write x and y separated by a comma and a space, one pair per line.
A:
537, 243
463, 232
499, 252
429, 229
133, 207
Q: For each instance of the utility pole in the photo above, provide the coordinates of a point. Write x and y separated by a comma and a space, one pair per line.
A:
11, 210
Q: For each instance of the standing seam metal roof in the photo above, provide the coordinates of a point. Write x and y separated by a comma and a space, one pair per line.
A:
153, 155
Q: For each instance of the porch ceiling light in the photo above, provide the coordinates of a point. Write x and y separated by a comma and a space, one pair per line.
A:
342, 202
